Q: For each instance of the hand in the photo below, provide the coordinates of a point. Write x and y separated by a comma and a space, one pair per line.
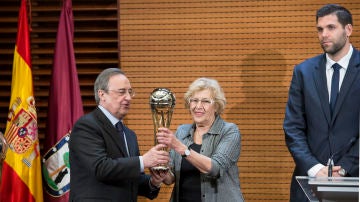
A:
166, 176
324, 171
167, 137
335, 171
156, 156
158, 176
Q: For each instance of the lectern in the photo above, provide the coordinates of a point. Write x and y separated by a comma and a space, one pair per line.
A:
330, 189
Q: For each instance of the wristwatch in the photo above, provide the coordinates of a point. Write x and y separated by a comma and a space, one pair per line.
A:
342, 172
186, 153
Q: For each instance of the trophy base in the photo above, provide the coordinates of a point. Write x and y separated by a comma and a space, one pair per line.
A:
160, 168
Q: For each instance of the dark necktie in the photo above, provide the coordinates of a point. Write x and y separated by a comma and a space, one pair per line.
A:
334, 87
119, 126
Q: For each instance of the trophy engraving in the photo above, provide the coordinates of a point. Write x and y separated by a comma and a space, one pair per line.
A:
162, 103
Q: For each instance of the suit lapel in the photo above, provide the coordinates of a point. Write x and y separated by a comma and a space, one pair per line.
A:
351, 73
321, 87
111, 131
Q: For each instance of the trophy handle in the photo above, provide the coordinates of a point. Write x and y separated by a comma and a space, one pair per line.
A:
161, 118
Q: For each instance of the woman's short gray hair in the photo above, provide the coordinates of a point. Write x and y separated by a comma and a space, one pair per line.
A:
102, 81
216, 91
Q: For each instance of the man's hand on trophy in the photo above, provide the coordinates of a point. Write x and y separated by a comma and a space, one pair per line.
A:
156, 156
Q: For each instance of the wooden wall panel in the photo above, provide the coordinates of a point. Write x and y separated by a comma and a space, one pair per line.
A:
250, 47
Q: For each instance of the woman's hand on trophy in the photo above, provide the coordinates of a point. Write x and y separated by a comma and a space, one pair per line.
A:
167, 137
162, 176
156, 156
158, 176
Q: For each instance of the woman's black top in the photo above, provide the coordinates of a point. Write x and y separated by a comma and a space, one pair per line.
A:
190, 189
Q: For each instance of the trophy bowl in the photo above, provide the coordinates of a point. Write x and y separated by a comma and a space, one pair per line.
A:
162, 103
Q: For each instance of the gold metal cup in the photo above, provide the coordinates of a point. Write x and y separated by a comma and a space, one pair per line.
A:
162, 103
3, 148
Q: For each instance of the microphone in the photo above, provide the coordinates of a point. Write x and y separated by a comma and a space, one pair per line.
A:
330, 165
330, 162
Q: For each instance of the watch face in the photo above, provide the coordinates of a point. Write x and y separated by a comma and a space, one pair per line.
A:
187, 152
342, 172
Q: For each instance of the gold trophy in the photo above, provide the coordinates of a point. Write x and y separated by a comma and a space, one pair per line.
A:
3, 149
162, 103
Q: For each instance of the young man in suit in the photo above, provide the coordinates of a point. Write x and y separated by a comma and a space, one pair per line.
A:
104, 154
322, 112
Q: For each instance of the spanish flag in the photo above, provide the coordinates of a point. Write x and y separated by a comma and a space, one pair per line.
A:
21, 172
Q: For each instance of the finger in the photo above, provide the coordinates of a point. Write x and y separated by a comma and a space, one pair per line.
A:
161, 129
160, 146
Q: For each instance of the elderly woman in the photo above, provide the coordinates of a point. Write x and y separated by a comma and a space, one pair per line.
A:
204, 154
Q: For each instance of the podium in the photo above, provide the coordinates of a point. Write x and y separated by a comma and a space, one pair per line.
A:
330, 189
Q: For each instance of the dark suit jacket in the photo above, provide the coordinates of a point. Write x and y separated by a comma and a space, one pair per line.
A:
311, 134
100, 167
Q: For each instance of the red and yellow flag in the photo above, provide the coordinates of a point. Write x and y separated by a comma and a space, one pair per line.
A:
21, 172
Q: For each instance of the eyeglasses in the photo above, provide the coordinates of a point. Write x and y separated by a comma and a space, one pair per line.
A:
204, 102
123, 92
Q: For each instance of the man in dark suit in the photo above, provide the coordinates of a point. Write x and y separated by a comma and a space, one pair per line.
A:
321, 122
104, 154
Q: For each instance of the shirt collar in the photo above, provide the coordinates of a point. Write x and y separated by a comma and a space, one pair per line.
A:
343, 62
112, 118
214, 129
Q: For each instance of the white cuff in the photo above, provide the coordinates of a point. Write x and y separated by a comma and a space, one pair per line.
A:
315, 169
141, 164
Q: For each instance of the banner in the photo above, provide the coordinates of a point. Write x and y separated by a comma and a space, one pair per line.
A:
21, 172
64, 108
